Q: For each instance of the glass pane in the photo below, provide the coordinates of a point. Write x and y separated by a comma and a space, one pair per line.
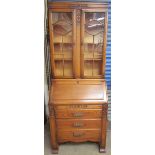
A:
97, 68
58, 68
88, 65
94, 23
62, 41
63, 68
62, 27
93, 43
92, 67
68, 68
66, 54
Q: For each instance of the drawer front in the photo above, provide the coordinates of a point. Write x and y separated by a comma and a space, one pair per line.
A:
77, 106
78, 135
86, 113
78, 124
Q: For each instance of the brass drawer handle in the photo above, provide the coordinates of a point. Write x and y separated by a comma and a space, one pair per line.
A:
79, 114
77, 124
78, 134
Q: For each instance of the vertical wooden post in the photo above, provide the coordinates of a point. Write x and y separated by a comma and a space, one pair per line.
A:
82, 44
105, 43
74, 43
103, 129
78, 41
53, 131
51, 43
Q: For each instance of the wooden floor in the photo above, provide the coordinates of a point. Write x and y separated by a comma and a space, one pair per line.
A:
76, 149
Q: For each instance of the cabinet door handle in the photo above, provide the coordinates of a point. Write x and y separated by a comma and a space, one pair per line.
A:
78, 124
78, 134
79, 114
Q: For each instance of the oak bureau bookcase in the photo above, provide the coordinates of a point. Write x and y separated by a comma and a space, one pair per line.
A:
78, 95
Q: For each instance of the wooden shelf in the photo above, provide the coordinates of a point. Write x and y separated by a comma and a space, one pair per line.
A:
94, 76
65, 55
91, 59
63, 42
90, 40
65, 59
58, 39
89, 56
64, 77
95, 43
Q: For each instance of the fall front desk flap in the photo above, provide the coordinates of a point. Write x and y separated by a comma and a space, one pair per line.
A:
78, 90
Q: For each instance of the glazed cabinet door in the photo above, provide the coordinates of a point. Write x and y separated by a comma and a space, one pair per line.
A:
62, 28
93, 42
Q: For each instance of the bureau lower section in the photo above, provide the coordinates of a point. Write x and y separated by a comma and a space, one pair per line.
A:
78, 123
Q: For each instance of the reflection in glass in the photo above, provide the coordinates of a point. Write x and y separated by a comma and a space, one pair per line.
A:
93, 43
62, 27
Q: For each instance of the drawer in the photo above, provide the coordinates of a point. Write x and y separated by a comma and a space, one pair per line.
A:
78, 124
78, 135
77, 106
84, 113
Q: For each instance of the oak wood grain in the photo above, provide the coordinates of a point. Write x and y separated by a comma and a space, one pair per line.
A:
78, 100
77, 106
86, 113
70, 124
78, 135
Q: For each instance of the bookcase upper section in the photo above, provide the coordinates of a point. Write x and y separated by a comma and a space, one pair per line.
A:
78, 37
